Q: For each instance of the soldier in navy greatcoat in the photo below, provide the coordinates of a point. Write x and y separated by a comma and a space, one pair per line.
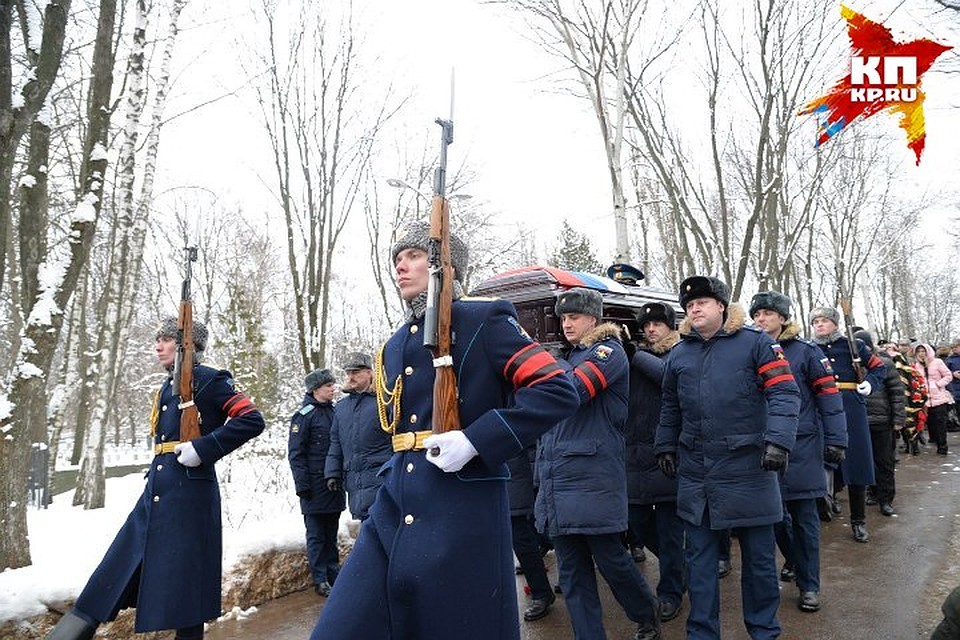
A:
433, 559
582, 502
821, 436
728, 422
358, 446
857, 467
308, 444
166, 558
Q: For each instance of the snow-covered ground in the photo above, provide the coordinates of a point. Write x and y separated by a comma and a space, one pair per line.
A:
260, 512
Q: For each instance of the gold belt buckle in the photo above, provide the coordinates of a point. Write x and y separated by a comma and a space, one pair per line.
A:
404, 441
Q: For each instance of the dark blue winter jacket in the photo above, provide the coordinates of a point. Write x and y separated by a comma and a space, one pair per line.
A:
358, 448
580, 462
723, 399
307, 449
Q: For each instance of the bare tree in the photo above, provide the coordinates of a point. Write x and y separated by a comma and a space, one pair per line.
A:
322, 133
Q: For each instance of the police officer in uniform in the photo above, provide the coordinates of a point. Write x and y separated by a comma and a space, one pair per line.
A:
307, 447
166, 558
857, 467
728, 422
821, 436
582, 502
358, 446
433, 559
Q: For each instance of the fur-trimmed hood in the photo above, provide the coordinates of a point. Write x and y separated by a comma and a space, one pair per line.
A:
736, 319
599, 332
790, 331
663, 345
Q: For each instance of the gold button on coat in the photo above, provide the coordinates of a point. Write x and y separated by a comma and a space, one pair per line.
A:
408, 519
414, 329
409, 467
413, 419
159, 467
156, 498
408, 370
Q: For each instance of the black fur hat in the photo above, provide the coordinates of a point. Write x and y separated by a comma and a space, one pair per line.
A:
318, 378
580, 300
659, 312
168, 329
417, 236
704, 287
772, 300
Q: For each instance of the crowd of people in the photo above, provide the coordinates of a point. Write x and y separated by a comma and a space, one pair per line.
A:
727, 426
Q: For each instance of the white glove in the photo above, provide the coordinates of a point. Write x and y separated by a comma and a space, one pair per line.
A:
455, 450
187, 455
864, 388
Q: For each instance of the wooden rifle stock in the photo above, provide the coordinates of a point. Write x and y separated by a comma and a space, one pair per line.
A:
852, 341
446, 415
183, 370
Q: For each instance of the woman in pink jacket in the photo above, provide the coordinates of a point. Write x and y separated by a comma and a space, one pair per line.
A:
938, 376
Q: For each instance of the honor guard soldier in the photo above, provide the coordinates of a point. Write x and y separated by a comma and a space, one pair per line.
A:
857, 467
433, 558
358, 446
307, 447
728, 422
582, 502
652, 496
166, 558
821, 436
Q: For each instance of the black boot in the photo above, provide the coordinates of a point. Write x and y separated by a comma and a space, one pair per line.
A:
72, 627
190, 633
860, 531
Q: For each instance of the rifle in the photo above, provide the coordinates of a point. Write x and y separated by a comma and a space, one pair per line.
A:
852, 341
437, 332
183, 365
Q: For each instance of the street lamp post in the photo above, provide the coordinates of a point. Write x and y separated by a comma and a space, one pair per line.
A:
398, 183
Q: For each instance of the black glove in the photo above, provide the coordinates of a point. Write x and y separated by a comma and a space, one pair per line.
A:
668, 464
774, 458
306, 494
334, 485
833, 454
630, 348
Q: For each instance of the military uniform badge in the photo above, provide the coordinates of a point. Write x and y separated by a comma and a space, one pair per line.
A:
602, 351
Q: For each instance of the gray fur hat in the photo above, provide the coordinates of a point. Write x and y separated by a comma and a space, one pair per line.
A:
168, 329
580, 300
772, 300
357, 360
704, 287
417, 236
318, 378
825, 312
657, 312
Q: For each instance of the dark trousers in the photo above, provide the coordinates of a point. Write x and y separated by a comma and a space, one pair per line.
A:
526, 546
576, 555
884, 464
798, 536
937, 425
858, 503
658, 528
759, 586
322, 551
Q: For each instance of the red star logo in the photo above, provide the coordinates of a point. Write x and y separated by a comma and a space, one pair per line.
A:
872, 45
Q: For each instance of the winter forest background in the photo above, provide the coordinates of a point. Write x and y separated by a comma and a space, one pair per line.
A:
264, 132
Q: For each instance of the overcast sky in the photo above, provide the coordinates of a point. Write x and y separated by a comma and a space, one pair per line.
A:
536, 150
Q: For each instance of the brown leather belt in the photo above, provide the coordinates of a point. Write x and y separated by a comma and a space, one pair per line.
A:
165, 447
847, 386
410, 440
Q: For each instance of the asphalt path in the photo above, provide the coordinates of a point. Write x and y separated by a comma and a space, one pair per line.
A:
889, 588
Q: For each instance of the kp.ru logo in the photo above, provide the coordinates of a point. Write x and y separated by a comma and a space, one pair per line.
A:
884, 75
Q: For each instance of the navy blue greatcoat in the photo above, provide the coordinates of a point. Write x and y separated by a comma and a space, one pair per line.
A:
434, 557
358, 448
307, 447
723, 398
166, 559
857, 466
580, 462
822, 421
